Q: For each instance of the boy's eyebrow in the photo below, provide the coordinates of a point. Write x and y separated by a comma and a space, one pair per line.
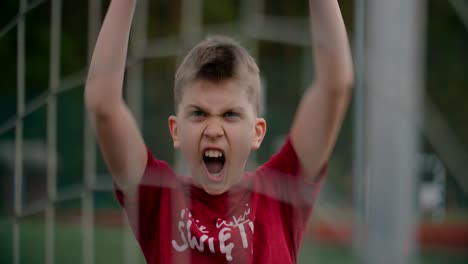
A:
239, 109
194, 106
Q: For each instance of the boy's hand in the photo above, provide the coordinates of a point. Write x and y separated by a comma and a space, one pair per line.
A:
322, 109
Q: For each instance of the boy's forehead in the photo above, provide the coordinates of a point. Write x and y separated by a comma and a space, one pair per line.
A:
230, 92
208, 90
207, 94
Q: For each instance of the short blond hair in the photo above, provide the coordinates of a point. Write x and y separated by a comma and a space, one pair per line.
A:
218, 58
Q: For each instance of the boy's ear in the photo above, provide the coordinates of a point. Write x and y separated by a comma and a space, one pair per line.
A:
260, 130
172, 121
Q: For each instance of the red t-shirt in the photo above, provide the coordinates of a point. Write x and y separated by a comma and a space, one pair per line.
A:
260, 220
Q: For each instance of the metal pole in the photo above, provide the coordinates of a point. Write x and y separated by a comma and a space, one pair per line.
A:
54, 82
192, 23
251, 20
18, 175
134, 99
87, 201
394, 91
134, 87
359, 176
190, 31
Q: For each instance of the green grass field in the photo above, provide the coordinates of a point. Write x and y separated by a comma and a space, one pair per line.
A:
109, 247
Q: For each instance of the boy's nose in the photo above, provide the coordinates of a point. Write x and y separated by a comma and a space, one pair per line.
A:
214, 130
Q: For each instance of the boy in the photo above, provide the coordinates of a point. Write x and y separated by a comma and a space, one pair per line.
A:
220, 214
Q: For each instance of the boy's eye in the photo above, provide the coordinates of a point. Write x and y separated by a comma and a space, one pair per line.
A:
198, 113
231, 115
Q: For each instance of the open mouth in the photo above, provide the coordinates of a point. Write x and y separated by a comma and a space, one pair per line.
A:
214, 161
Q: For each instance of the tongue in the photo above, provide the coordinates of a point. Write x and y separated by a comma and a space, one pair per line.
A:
214, 165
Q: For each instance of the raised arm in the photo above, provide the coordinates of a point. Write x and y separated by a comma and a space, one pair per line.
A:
118, 136
323, 106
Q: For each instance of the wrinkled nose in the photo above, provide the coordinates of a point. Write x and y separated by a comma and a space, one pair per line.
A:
214, 130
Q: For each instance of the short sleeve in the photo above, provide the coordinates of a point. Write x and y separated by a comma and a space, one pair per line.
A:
143, 207
282, 179
157, 174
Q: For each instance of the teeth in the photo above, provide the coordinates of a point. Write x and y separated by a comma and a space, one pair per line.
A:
213, 153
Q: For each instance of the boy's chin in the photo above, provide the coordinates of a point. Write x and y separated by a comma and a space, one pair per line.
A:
214, 191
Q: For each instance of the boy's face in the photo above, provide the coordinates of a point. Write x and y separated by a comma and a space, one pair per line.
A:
216, 127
